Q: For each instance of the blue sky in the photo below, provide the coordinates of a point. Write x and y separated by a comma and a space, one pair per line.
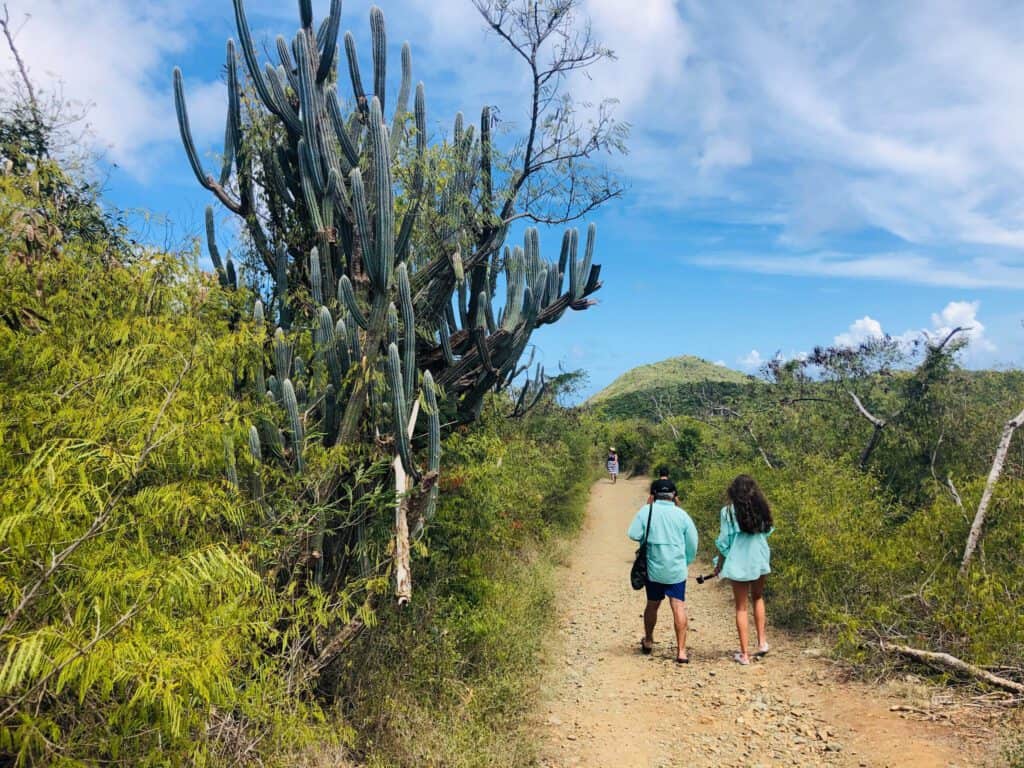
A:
799, 173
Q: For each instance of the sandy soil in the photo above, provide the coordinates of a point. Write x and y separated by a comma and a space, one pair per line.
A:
604, 704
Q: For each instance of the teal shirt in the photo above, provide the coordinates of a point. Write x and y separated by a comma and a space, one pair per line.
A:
671, 543
747, 556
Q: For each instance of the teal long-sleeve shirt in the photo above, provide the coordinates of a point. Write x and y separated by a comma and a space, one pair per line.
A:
747, 555
671, 543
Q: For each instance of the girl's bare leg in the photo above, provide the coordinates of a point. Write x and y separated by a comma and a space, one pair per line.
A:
760, 618
739, 595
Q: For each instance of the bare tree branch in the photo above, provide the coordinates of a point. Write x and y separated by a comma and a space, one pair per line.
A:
952, 662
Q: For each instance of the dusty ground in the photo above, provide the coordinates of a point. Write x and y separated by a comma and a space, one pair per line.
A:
606, 705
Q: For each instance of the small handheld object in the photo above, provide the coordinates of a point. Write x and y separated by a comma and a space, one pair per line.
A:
702, 579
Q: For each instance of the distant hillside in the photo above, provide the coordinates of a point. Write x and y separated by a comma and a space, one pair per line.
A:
676, 382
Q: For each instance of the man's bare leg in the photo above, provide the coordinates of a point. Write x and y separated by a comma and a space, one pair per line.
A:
682, 623
650, 619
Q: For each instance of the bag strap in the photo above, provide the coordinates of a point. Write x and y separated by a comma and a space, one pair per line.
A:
647, 530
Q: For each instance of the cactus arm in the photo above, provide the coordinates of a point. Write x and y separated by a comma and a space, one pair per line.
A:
348, 299
399, 414
378, 37
341, 131
211, 246
282, 355
384, 263
306, 13
316, 276
327, 344
251, 60
402, 104
446, 341
185, 129
291, 407
392, 337
353, 72
329, 44
285, 108
409, 331
286, 63
309, 108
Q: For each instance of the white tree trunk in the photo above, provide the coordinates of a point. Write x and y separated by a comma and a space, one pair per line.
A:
952, 662
403, 573
990, 485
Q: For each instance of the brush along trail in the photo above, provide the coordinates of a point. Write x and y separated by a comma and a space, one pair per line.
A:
604, 704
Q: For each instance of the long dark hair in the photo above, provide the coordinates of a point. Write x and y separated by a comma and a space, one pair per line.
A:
753, 515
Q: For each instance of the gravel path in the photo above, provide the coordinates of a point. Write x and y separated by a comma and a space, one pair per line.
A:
606, 705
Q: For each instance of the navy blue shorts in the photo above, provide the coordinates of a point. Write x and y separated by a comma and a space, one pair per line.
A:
656, 591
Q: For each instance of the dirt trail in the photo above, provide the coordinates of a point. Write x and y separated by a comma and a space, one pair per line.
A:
606, 705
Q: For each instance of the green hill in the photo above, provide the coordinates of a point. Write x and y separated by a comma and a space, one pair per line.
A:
676, 381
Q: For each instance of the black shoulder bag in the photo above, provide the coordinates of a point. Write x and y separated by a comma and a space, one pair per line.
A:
638, 573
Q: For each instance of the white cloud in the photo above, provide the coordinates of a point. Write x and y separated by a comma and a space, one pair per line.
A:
752, 361
962, 314
860, 331
112, 56
956, 314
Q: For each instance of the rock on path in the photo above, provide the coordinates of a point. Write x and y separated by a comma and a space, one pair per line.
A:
606, 705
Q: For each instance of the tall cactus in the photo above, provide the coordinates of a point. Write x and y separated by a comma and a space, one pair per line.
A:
369, 245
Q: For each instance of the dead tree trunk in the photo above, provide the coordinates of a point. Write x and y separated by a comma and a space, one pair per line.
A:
986, 497
952, 662
876, 435
403, 573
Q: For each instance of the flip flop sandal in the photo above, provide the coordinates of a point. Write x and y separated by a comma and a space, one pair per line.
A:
646, 649
740, 659
683, 661
762, 652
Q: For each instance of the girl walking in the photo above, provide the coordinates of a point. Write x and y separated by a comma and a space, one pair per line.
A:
612, 464
745, 524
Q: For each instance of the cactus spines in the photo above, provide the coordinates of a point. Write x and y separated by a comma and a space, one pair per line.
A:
399, 413
291, 407
348, 300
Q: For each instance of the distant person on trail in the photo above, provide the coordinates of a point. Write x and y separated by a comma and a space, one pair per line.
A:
671, 547
612, 463
745, 525
663, 486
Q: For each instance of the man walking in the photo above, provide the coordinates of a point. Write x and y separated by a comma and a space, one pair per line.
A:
671, 547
